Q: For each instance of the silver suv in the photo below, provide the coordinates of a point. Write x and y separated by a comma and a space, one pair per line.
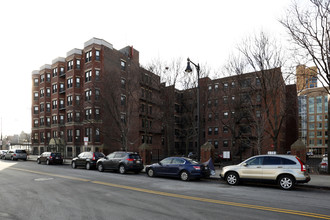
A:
16, 154
285, 170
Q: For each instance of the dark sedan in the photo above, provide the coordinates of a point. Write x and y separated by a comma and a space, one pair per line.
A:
50, 158
181, 167
121, 161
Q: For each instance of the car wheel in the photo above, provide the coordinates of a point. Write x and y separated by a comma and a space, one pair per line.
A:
38, 161
73, 165
232, 178
122, 169
184, 175
286, 182
151, 172
100, 167
88, 166
47, 162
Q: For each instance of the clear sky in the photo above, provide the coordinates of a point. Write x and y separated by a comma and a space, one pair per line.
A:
34, 32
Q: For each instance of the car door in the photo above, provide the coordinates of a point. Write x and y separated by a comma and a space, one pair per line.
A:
81, 159
163, 168
271, 166
117, 159
175, 167
252, 168
108, 160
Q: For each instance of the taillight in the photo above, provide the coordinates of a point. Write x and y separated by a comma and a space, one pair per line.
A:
324, 164
14, 155
197, 167
130, 159
303, 168
93, 157
50, 157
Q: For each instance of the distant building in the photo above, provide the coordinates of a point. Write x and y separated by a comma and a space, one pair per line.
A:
306, 77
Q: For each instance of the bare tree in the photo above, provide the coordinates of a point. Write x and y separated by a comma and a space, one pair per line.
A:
309, 29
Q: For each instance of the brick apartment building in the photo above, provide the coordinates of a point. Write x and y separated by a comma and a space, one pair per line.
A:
103, 95
75, 98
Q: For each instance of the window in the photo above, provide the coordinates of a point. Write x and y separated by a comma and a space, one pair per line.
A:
319, 117
70, 65
70, 83
36, 82
254, 161
88, 95
62, 104
88, 76
311, 126
97, 94
77, 82
42, 78
62, 72
216, 102
88, 114
272, 161
54, 119
123, 65
69, 135
36, 110
54, 106
62, 119
54, 72
77, 99
319, 104
210, 117
216, 144
311, 105
225, 99
97, 114
210, 87
47, 107
123, 100
258, 82
77, 117
97, 135
97, 75
69, 117
209, 103
216, 130
258, 114
209, 131
88, 56
123, 118
54, 88
48, 77
42, 121
77, 64
233, 84
311, 118
42, 107
48, 92
225, 115
225, 129
69, 100
123, 83
225, 143
36, 96
258, 98
88, 133
42, 92
97, 55
216, 87
48, 121
77, 135
36, 123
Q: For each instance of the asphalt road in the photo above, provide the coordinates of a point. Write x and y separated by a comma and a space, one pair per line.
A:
30, 191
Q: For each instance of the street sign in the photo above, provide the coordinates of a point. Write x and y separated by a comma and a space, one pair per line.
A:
226, 155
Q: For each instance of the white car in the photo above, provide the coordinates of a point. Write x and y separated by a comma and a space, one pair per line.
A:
285, 170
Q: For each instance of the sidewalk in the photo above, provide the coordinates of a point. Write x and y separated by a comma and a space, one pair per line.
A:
321, 181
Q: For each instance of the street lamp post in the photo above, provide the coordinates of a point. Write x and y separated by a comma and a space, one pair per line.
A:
189, 70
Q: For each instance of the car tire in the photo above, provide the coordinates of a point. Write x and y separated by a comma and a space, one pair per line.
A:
232, 178
100, 167
184, 175
47, 162
73, 165
150, 172
88, 166
38, 161
122, 169
286, 182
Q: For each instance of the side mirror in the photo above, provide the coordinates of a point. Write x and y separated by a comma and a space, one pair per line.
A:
244, 164
106, 158
160, 163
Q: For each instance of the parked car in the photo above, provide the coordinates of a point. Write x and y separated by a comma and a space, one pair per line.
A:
50, 158
3, 153
285, 170
121, 161
16, 154
184, 168
323, 166
87, 160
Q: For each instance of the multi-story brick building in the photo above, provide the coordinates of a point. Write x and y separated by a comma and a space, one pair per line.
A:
306, 77
102, 95
97, 94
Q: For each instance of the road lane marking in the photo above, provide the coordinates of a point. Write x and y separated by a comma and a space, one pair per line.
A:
193, 198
